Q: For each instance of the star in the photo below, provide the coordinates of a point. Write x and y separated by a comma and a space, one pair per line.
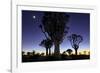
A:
34, 17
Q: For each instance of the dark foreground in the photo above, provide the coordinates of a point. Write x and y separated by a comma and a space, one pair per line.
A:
38, 58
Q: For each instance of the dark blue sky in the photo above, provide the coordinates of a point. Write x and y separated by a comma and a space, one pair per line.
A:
79, 23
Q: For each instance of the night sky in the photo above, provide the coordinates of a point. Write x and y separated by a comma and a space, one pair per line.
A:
79, 23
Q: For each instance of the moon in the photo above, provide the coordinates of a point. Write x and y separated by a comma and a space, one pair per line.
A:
34, 17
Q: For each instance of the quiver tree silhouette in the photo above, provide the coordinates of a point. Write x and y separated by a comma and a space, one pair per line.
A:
47, 43
75, 40
84, 52
33, 52
55, 25
23, 53
42, 54
69, 51
64, 53
29, 53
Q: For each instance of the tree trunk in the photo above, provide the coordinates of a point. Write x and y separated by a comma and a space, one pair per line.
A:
75, 51
46, 51
57, 49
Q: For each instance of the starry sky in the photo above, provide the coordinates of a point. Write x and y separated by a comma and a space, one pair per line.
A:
79, 23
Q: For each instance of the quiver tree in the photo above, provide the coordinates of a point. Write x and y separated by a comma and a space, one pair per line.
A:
29, 53
33, 52
47, 43
75, 40
69, 51
54, 24
23, 53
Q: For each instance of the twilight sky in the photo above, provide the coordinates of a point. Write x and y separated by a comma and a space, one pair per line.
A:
79, 23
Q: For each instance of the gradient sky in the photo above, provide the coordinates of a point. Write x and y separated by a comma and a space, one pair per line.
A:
79, 23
